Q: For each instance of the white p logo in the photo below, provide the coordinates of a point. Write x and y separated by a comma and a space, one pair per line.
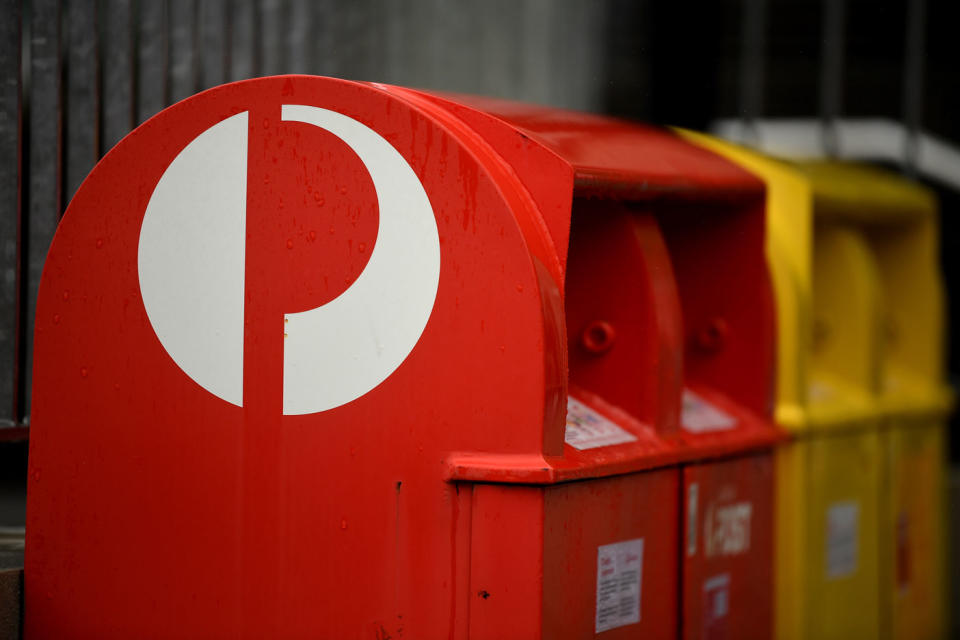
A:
191, 266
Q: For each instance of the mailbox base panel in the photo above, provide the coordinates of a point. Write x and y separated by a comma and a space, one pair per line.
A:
791, 540
843, 534
914, 541
543, 560
728, 549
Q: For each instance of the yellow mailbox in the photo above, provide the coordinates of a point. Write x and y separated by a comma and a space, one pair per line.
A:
899, 222
836, 479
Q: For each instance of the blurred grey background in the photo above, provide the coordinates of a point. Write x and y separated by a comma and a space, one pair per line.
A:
78, 75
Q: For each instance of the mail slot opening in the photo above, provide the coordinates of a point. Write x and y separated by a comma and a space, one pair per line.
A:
622, 311
846, 305
724, 297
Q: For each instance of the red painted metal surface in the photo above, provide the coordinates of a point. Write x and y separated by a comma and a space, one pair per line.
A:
556, 533
615, 158
728, 549
434, 503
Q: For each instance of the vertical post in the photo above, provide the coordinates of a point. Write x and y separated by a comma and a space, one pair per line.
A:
501, 24
152, 86
82, 121
182, 54
589, 26
45, 184
298, 36
358, 39
752, 65
11, 124
539, 18
400, 43
913, 70
212, 43
116, 71
454, 42
273, 28
244, 62
831, 72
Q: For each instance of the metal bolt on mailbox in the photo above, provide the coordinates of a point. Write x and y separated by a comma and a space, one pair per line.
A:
852, 252
318, 358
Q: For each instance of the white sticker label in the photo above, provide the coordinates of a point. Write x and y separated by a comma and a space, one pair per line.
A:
619, 575
699, 416
693, 494
587, 429
716, 603
818, 391
843, 528
726, 529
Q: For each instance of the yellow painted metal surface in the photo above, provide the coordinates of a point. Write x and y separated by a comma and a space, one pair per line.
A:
843, 506
845, 359
845, 454
853, 258
914, 584
792, 541
900, 225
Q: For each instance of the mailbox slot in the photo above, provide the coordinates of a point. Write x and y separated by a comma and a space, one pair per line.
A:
725, 299
623, 312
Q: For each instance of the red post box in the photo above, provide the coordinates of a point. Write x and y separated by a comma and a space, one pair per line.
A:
325, 358
697, 228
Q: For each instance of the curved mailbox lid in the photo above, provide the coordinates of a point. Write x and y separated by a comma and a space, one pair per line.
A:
617, 158
641, 448
678, 184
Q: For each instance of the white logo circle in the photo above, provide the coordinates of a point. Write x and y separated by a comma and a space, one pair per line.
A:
191, 266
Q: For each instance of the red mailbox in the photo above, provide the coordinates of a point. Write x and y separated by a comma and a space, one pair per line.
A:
323, 358
703, 300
